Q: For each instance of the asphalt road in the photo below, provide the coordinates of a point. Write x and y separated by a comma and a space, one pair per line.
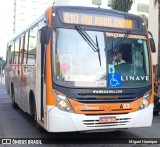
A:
17, 124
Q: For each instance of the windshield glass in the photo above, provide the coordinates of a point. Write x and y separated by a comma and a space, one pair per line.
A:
129, 65
118, 64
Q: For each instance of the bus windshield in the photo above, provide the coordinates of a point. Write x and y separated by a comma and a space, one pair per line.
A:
76, 64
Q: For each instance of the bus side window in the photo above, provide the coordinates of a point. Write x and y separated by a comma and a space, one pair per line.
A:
22, 50
8, 53
25, 47
11, 54
32, 47
16, 53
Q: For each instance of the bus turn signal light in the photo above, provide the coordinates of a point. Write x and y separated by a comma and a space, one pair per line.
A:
146, 100
62, 102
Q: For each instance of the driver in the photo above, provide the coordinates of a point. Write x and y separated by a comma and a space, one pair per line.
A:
117, 59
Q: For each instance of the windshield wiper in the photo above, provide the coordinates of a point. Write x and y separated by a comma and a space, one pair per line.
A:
94, 46
98, 51
119, 44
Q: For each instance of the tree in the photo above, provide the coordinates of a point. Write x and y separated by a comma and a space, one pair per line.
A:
145, 18
2, 64
157, 3
121, 5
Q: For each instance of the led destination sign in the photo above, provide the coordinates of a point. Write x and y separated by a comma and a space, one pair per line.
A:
97, 20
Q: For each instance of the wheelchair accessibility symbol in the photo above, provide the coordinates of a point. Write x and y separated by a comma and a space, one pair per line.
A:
115, 80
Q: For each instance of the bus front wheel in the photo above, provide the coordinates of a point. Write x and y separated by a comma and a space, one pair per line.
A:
33, 113
14, 104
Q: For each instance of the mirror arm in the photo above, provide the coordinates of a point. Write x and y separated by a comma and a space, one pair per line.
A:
45, 35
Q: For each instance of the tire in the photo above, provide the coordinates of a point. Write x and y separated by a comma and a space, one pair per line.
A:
156, 112
34, 116
14, 104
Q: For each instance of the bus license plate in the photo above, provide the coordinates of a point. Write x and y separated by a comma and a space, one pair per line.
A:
111, 119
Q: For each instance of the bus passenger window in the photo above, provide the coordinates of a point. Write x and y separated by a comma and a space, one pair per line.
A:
32, 47
25, 48
16, 53
11, 52
22, 50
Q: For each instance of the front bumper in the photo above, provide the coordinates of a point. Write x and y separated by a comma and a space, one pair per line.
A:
60, 121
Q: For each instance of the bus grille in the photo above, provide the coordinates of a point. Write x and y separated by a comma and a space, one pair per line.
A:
96, 124
119, 98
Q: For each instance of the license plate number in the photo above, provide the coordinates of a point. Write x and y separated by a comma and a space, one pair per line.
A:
107, 119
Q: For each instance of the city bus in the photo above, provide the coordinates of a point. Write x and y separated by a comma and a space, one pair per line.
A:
60, 70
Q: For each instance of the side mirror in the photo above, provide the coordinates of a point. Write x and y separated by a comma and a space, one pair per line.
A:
153, 47
45, 35
152, 43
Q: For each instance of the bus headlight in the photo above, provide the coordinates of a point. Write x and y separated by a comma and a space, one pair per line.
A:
146, 100
62, 102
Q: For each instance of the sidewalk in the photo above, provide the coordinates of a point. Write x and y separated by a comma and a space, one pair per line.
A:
2, 79
4, 97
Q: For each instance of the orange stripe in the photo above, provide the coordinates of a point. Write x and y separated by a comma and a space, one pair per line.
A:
50, 99
105, 108
49, 16
152, 94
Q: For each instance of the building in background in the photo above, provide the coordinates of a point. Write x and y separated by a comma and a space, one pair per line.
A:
25, 11
16, 15
139, 7
144, 8
6, 24
153, 27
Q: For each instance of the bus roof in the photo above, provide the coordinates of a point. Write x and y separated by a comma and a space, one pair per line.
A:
94, 9
98, 17
82, 9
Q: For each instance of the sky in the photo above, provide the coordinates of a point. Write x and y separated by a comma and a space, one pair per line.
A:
5, 24
6, 20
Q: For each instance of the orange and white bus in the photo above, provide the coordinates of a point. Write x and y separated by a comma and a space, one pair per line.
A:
60, 70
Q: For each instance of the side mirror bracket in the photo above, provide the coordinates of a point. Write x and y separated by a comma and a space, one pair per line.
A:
45, 35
